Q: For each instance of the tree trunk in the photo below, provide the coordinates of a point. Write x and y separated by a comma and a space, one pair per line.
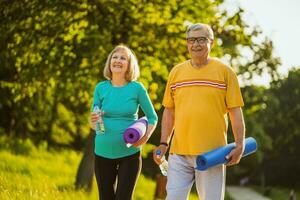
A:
85, 173
160, 191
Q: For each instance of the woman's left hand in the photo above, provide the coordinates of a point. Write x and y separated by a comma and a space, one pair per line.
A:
146, 137
141, 141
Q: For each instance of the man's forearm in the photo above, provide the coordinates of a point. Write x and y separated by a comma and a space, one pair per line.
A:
167, 125
238, 126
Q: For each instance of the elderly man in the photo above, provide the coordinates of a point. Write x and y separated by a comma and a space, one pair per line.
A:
199, 94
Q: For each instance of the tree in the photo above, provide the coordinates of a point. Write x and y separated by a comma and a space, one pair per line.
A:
282, 117
250, 167
50, 59
53, 52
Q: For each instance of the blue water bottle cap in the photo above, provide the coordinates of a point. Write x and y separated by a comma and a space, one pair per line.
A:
158, 152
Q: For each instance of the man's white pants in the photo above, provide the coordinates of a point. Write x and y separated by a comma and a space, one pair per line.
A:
182, 174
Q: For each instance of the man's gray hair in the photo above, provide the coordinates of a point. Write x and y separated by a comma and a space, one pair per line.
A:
200, 26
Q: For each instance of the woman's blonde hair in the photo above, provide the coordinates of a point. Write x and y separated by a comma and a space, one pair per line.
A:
133, 70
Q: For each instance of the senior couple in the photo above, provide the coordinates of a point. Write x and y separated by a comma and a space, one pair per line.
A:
199, 94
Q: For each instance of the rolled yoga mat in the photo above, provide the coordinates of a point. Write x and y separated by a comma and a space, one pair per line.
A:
137, 130
217, 156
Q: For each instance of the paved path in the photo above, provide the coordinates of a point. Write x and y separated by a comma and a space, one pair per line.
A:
244, 193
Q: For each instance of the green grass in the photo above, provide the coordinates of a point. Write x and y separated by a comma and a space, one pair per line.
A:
277, 193
42, 175
33, 173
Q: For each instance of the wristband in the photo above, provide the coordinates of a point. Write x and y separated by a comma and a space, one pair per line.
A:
164, 143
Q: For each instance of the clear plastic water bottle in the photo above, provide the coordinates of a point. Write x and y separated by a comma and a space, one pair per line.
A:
164, 165
99, 124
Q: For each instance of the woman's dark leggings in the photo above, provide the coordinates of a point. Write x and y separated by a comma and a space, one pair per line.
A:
116, 178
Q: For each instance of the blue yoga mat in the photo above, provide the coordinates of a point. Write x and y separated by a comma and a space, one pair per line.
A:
217, 156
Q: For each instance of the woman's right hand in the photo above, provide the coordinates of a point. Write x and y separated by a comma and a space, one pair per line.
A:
93, 119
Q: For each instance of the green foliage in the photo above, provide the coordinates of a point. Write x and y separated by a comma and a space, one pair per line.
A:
147, 150
278, 193
21, 146
52, 49
281, 123
63, 126
53, 52
272, 117
255, 106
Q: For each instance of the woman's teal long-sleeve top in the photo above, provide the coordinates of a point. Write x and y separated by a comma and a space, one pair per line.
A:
120, 106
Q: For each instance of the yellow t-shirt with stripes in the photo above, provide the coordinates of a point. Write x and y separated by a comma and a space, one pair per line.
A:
201, 98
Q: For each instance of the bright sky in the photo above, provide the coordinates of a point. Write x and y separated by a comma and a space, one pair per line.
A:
280, 21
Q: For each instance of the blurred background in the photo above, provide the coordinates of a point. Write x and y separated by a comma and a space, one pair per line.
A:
52, 54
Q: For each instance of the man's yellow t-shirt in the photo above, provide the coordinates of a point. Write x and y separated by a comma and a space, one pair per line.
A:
201, 98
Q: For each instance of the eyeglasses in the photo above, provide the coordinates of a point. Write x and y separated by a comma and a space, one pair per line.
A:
200, 40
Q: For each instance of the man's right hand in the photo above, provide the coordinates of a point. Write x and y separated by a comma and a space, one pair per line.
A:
158, 158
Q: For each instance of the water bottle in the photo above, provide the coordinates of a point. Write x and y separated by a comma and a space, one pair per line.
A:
99, 123
164, 165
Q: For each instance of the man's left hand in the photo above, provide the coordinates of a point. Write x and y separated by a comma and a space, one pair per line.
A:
235, 155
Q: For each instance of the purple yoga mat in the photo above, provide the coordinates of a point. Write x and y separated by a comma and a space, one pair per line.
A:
137, 130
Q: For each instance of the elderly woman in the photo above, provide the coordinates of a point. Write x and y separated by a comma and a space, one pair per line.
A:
120, 97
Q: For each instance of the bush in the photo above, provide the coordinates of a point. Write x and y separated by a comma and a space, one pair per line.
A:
23, 147
20, 146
